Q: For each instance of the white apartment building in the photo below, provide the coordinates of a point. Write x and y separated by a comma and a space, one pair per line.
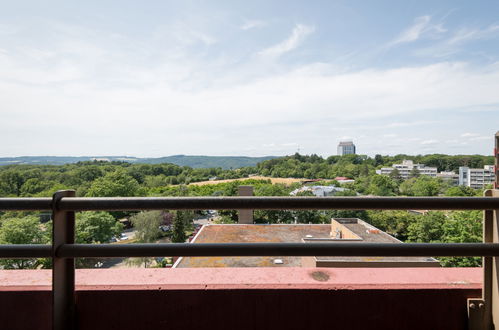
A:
476, 178
407, 167
451, 177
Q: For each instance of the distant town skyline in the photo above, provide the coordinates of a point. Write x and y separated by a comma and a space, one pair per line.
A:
248, 79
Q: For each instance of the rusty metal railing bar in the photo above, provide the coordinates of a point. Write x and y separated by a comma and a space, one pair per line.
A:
277, 249
251, 249
262, 203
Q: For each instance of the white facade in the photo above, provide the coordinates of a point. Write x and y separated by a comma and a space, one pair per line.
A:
451, 177
407, 167
476, 178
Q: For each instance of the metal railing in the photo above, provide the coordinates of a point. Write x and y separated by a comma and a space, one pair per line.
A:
63, 250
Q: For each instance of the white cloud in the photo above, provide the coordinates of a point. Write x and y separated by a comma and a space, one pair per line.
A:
298, 35
456, 43
421, 26
467, 34
469, 134
481, 138
252, 24
429, 142
111, 95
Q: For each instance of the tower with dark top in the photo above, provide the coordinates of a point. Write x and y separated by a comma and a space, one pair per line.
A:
346, 148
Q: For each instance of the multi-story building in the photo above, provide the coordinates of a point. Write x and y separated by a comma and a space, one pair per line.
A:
476, 178
406, 168
346, 148
451, 177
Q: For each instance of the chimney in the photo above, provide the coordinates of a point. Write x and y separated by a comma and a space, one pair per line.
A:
245, 216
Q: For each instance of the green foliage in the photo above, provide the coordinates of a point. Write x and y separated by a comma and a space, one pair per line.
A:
394, 223
395, 175
96, 227
273, 216
427, 228
116, 183
462, 191
11, 182
382, 185
179, 222
147, 225
25, 230
427, 186
463, 227
415, 173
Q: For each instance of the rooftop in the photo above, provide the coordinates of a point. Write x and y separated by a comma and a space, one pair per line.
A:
352, 229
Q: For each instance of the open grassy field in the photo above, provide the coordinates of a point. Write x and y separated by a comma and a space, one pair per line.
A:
286, 181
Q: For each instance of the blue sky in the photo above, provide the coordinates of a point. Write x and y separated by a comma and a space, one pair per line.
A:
156, 78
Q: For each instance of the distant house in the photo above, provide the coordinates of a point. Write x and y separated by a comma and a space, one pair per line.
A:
319, 191
343, 180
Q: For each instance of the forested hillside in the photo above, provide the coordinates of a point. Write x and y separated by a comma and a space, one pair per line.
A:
225, 162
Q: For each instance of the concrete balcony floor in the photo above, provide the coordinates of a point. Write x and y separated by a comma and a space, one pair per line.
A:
248, 298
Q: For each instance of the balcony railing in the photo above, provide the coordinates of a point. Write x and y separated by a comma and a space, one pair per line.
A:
63, 250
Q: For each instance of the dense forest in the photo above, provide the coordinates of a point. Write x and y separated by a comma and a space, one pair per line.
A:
106, 179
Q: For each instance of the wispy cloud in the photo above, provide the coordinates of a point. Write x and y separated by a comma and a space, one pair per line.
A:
422, 25
298, 35
475, 137
469, 134
252, 24
468, 34
456, 42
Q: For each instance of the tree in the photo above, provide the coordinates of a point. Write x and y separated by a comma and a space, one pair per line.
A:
382, 185
146, 225
91, 228
96, 227
116, 183
464, 191
427, 228
395, 174
405, 187
427, 186
394, 223
11, 182
27, 230
463, 227
178, 235
415, 173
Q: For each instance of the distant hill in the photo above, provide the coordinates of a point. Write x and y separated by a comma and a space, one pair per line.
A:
225, 162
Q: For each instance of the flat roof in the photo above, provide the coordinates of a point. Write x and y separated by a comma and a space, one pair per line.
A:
286, 233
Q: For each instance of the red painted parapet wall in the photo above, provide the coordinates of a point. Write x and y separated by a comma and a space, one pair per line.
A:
248, 298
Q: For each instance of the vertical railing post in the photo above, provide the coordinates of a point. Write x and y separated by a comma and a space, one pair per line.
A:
496, 163
494, 228
245, 216
63, 269
484, 313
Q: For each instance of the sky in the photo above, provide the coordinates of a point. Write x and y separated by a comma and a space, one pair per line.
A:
253, 78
